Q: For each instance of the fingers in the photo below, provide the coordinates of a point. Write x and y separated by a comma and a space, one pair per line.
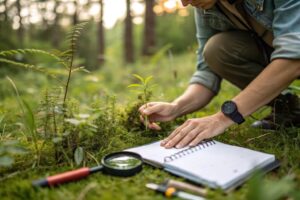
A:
143, 107
172, 135
189, 138
154, 126
151, 125
150, 108
194, 131
179, 134
198, 138
190, 133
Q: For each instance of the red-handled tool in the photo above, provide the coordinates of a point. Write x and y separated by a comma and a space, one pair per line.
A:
118, 164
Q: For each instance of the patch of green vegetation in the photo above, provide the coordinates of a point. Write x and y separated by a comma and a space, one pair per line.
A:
100, 117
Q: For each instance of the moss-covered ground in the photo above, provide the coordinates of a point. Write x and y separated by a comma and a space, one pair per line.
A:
171, 78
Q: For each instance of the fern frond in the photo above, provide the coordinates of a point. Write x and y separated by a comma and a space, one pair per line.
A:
80, 69
65, 53
28, 51
69, 55
28, 66
75, 32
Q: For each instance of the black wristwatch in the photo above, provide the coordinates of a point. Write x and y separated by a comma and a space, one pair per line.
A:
230, 110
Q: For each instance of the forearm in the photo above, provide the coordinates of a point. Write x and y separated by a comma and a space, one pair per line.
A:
275, 78
194, 98
270, 82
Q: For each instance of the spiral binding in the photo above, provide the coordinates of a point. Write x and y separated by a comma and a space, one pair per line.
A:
202, 145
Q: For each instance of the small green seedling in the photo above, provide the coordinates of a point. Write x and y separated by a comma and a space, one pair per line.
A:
144, 90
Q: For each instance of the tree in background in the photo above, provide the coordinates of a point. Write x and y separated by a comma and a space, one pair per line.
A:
149, 29
43, 24
101, 37
75, 15
56, 28
21, 28
128, 36
5, 10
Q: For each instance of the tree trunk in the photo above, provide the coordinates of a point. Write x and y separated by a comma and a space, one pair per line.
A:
75, 15
56, 28
149, 29
21, 29
101, 43
5, 10
128, 37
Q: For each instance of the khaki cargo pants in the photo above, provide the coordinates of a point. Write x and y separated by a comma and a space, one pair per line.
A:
236, 56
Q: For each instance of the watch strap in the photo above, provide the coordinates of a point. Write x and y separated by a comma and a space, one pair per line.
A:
237, 118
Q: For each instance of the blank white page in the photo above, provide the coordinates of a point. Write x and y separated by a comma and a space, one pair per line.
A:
222, 164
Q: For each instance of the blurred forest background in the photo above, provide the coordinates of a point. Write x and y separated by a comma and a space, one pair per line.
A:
118, 29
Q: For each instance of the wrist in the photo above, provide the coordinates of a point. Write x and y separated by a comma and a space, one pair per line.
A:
226, 121
176, 109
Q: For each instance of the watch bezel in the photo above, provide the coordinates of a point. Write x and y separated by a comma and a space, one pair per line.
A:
225, 105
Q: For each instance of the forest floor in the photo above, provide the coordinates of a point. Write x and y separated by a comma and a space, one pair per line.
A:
171, 77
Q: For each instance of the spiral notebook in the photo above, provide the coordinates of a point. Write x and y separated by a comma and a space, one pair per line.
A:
210, 163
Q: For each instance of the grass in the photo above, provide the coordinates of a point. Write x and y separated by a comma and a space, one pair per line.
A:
171, 78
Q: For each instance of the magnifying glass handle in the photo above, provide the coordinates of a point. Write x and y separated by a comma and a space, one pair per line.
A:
66, 177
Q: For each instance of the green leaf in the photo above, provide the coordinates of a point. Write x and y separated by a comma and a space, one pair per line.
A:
80, 69
10, 142
6, 161
29, 118
139, 77
28, 51
78, 155
73, 121
57, 140
293, 87
148, 79
134, 85
2, 118
16, 150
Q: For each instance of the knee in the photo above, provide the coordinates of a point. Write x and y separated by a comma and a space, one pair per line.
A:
215, 52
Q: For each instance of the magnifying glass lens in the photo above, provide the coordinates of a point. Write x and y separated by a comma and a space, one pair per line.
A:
122, 161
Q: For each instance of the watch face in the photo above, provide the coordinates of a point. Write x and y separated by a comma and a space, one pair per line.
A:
228, 107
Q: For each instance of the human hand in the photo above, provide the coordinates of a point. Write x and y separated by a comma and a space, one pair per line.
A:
158, 112
195, 130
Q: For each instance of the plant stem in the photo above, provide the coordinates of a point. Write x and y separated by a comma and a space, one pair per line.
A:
70, 71
145, 102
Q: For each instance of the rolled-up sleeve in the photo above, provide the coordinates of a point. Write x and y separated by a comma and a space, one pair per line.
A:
286, 28
203, 74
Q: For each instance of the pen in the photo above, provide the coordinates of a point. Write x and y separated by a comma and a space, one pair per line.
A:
171, 191
186, 186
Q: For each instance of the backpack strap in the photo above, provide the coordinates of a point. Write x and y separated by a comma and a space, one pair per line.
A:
261, 31
236, 13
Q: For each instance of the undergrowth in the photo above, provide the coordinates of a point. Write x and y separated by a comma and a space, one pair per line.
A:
62, 133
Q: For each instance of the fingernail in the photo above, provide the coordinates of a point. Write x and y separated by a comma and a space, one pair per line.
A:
163, 142
168, 145
178, 146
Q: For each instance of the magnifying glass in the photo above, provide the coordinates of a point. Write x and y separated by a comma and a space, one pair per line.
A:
122, 164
